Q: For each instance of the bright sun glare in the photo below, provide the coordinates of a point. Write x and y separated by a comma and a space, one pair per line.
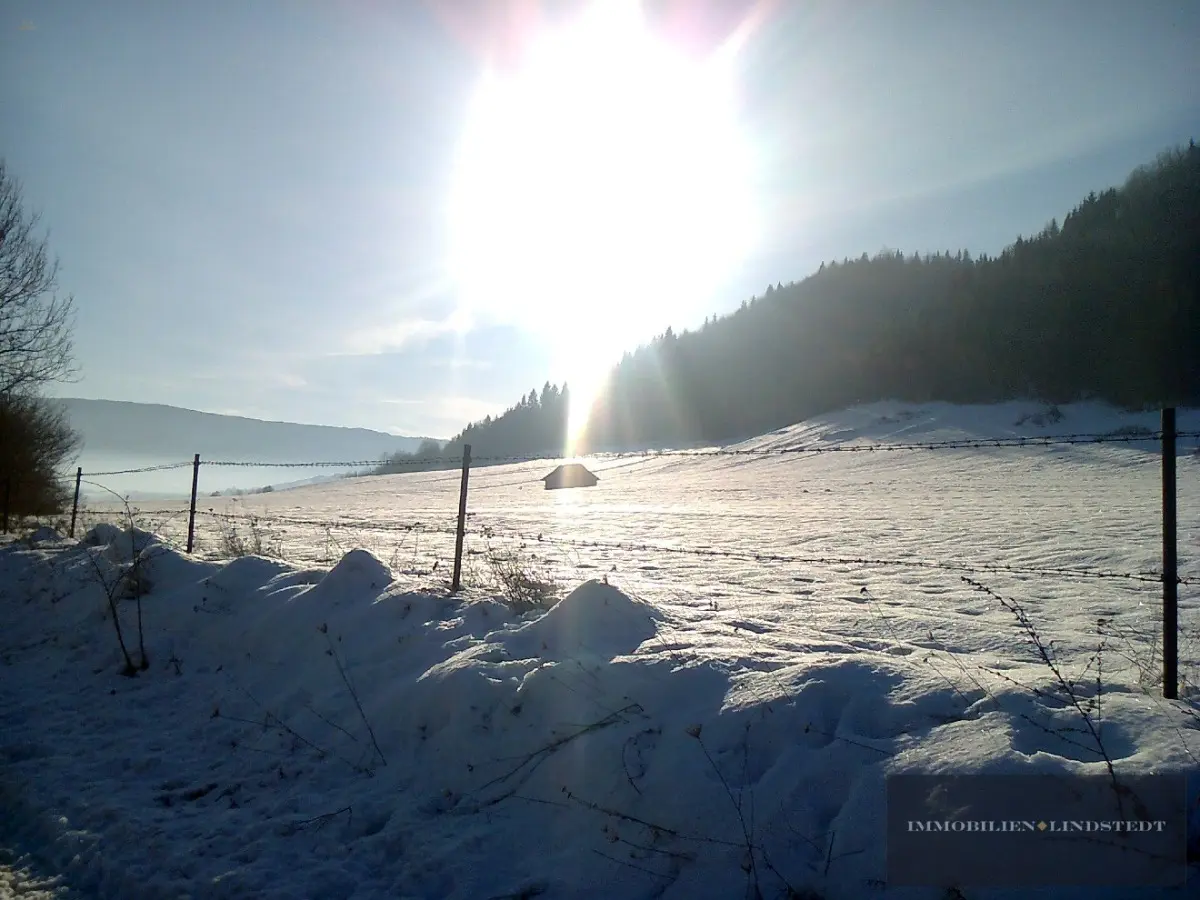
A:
601, 188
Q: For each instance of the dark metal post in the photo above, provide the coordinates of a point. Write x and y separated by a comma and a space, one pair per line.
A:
192, 511
1170, 560
75, 504
7, 501
462, 520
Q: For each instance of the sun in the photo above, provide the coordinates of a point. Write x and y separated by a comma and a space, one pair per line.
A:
602, 187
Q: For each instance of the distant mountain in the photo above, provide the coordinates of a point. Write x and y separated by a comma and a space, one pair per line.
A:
116, 429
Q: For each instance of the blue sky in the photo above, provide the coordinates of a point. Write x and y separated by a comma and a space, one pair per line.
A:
247, 198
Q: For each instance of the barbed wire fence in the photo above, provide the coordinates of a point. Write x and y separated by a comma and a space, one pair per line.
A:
242, 533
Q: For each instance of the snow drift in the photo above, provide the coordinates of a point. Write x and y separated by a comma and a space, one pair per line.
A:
309, 733
698, 726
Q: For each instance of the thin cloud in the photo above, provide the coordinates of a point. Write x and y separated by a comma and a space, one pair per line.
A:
389, 338
459, 409
461, 363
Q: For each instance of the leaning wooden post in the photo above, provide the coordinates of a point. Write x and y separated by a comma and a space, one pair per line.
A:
192, 511
1170, 574
456, 584
75, 504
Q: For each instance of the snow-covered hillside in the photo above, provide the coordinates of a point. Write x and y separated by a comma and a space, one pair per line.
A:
337, 725
1054, 506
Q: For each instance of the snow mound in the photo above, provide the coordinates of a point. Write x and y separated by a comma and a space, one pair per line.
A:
307, 732
140, 560
595, 620
123, 544
45, 535
102, 534
163, 568
246, 573
359, 573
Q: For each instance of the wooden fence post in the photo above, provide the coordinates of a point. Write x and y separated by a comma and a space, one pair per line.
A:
456, 583
75, 504
192, 511
7, 501
1170, 573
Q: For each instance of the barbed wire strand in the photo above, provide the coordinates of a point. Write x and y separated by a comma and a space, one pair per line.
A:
642, 547
436, 463
1148, 577
348, 524
159, 468
103, 487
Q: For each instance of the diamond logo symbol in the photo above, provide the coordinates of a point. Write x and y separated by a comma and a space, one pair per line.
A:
1042, 826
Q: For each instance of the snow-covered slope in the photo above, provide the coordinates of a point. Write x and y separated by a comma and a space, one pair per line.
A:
1058, 505
896, 422
722, 712
302, 733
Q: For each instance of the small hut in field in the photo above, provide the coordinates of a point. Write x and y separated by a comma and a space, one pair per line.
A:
570, 475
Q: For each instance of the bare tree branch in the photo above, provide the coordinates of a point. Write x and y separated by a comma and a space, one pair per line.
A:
35, 320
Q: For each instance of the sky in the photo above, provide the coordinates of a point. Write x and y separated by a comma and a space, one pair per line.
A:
253, 202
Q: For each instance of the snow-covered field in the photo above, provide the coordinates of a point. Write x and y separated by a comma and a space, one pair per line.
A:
705, 721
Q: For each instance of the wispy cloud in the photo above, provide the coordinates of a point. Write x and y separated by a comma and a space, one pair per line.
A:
460, 362
459, 410
289, 380
386, 338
